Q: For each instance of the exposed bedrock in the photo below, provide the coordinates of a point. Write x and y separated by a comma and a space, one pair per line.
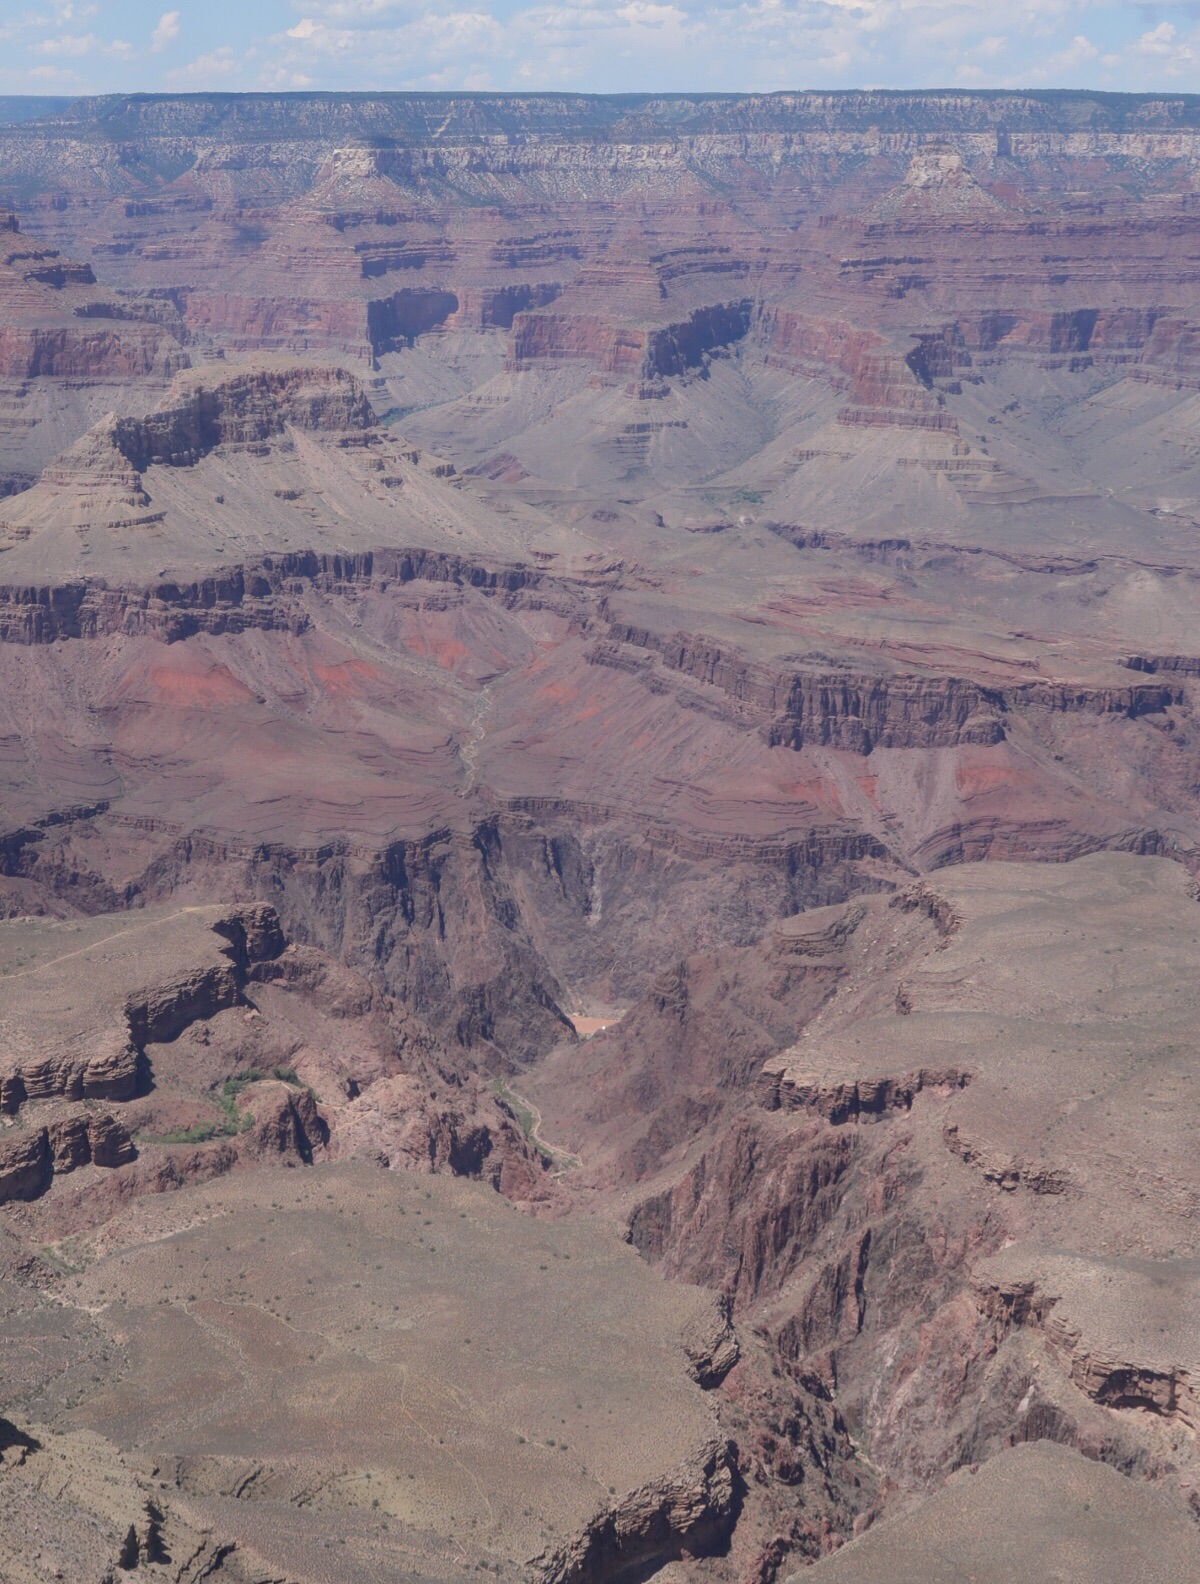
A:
858, 1099
495, 307
398, 320
1093, 1316
538, 337
823, 1236
885, 385
94, 1048
87, 352
30, 1156
51, 326
242, 409
277, 323
629, 350
750, 1211
884, 1260
225, 1014
941, 353
891, 379
682, 346
237, 599
862, 712
486, 932
362, 329
25, 1165
688, 1513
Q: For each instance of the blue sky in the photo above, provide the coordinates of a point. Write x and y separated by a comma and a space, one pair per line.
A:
87, 46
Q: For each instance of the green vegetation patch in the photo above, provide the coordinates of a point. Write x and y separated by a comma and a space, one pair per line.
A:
231, 1121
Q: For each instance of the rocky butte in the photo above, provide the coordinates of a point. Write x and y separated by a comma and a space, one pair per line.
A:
599, 835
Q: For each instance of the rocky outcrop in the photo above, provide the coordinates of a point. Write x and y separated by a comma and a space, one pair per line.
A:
87, 353
241, 599
398, 320
96, 1050
862, 712
107, 1069
689, 1513
25, 1164
866, 1099
1177, 664
849, 711
808, 344
49, 328
711, 1344
495, 307
629, 351
1002, 1167
746, 1216
93, 1138
277, 322
679, 347
921, 898
552, 337
1088, 1319
243, 409
162, 1011
31, 1156
286, 1123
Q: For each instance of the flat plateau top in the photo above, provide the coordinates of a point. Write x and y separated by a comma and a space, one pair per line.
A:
455, 1380
1038, 1513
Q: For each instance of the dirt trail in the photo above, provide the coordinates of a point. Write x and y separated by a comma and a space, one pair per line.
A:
564, 1159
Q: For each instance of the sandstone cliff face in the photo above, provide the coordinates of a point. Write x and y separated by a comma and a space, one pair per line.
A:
241, 410
245, 321
77, 1028
86, 353
236, 600
860, 1099
687, 1514
24, 1166
1096, 1346
627, 351
30, 1156
860, 713
45, 331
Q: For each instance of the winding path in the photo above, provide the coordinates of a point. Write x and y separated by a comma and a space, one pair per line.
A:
564, 1159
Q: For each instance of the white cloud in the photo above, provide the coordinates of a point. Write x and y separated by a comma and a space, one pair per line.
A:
280, 77
1171, 55
68, 44
643, 13
1080, 49
62, 75
206, 71
81, 44
624, 45
166, 32
1159, 41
